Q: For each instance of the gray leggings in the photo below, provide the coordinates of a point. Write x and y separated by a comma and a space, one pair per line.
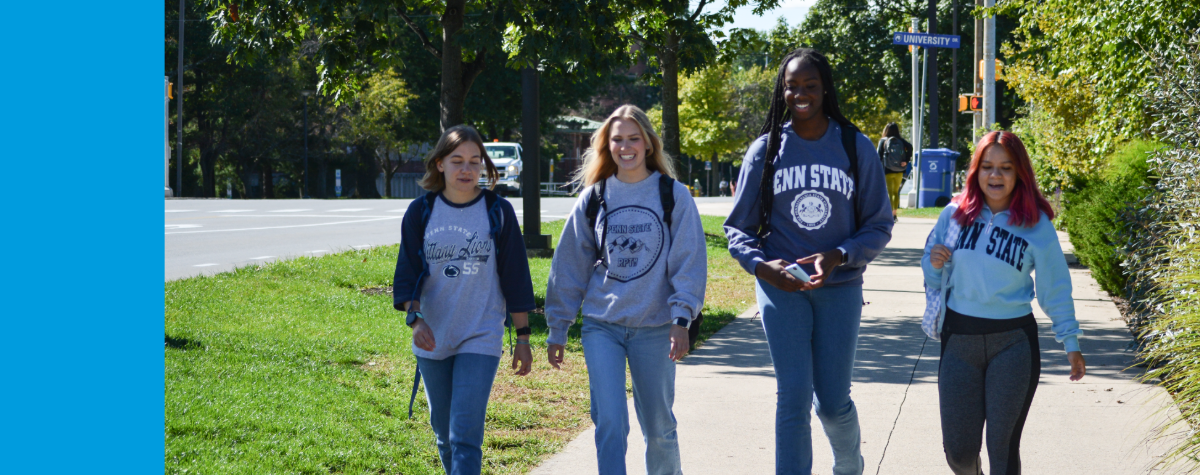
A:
988, 372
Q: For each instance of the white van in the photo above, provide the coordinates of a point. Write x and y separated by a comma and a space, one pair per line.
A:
507, 157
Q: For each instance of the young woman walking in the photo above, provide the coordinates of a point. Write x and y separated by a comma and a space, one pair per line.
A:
979, 258
632, 256
811, 193
461, 267
895, 152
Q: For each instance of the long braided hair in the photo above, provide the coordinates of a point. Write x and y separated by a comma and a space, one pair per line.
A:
778, 114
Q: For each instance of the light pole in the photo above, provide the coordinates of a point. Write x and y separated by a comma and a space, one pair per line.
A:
179, 109
305, 93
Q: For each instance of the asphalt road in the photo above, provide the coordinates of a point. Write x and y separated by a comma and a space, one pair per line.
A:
217, 235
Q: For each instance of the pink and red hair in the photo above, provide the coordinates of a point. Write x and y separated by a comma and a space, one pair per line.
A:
1026, 199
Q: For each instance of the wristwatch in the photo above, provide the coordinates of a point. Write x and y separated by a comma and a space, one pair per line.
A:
525, 330
683, 322
845, 255
412, 318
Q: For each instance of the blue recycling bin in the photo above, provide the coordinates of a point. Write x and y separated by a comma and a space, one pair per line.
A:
937, 177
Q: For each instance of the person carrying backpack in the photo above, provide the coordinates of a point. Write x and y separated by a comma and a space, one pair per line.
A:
810, 193
461, 267
632, 259
895, 152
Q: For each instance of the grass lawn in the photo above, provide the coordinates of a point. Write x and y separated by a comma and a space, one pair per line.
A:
929, 213
290, 367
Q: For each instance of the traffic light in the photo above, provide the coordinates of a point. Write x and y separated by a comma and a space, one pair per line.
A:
170, 90
970, 102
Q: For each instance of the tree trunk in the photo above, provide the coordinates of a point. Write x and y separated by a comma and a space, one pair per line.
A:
668, 58
268, 182
712, 177
453, 92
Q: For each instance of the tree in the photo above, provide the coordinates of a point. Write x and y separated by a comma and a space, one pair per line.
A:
1085, 68
380, 112
680, 40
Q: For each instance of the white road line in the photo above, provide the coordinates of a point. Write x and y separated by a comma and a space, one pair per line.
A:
362, 246
318, 250
290, 210
182, 226
232, 211
398, 211
180, 210
205, 265
287, 227
261, 258
348, 210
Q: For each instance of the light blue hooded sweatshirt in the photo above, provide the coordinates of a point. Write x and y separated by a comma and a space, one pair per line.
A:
991, 271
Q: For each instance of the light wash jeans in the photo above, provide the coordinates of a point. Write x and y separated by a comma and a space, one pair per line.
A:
457, 389
606, 348
813, 336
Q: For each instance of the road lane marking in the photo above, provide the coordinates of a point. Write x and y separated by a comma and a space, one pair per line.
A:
205, 265
182, 226
287, 227
290, 210
232, 211
261, 258
398, 211
348, 210
318, 250
180, 210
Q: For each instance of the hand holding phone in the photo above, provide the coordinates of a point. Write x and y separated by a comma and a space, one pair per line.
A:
798, 272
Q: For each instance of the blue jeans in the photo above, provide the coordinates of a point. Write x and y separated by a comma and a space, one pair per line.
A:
813, 336
606, 348
457, 389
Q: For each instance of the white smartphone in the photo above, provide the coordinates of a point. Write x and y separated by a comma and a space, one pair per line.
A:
797, 272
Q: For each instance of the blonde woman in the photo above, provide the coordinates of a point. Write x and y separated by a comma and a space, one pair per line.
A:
632, 257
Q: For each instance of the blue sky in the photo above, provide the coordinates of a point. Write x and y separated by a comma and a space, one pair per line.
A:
791, 10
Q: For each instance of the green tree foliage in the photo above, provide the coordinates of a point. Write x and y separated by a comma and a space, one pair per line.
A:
1084, 65
381, 110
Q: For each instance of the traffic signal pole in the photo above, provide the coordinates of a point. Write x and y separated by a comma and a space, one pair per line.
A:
989, 68
916, 108
179, 110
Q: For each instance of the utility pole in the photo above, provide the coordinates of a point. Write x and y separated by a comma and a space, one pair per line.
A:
977, 75
536, 243
989, 68
954, 79
305, 94
931, 66
179, 110
916, 111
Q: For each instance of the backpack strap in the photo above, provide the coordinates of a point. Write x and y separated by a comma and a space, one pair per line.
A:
426, 211
595, 203
666, 196
491, 202
850, 145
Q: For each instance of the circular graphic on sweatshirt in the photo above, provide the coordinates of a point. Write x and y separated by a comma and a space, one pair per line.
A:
633, 242
811, 210
451, 271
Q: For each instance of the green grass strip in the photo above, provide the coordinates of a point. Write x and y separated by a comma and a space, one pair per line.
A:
289, 367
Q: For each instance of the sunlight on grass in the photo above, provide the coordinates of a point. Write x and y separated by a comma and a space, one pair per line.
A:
289, 367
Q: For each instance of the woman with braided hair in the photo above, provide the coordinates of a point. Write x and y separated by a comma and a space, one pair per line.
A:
811, 193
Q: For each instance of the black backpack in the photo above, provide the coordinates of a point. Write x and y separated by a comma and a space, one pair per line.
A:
495, 221
766, 193
893, 154
666, 197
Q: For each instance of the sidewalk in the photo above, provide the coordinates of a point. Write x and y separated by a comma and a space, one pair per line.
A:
725, 391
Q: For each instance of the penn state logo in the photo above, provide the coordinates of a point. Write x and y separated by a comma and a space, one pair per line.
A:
811, 210
452, 271
635, 239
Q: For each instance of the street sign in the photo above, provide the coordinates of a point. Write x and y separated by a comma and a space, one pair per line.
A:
927, 40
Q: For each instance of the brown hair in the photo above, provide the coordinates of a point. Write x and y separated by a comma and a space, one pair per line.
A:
598, 163
434, 180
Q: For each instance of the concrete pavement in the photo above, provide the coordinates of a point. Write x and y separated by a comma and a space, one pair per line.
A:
725, 391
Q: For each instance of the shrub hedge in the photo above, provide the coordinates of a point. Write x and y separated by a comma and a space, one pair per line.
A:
1094, 210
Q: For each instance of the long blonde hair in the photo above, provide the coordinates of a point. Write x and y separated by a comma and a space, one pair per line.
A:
598, 163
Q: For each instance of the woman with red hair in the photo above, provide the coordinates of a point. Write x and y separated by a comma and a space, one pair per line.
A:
978, 264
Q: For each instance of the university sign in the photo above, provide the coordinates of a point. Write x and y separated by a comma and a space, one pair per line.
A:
927, 40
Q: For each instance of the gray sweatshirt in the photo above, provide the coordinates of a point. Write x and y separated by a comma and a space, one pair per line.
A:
648, 277
812, 211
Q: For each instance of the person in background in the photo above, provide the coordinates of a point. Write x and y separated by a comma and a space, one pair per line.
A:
457, 241
982, 253
896, 153
632, 259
